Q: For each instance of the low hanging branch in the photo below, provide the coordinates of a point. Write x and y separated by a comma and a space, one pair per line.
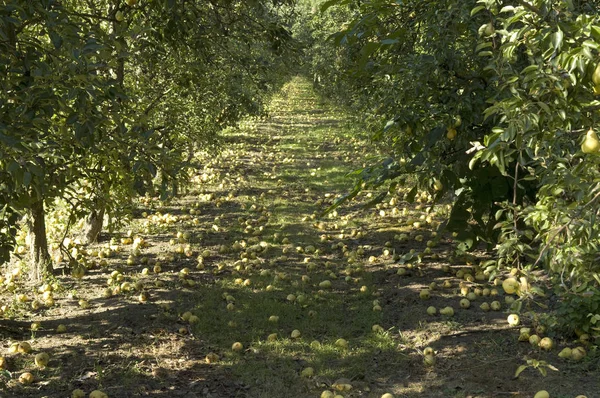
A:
562, 228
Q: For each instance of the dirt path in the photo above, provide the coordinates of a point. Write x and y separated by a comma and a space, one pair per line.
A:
244, 253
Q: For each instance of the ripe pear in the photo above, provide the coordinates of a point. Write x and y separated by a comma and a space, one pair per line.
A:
596, 76
451, 133
578, 353
542, 394
565, 353
98, 394
591, 144
78, 393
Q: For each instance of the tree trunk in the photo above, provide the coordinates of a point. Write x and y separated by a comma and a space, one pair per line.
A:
40, 257
93, 224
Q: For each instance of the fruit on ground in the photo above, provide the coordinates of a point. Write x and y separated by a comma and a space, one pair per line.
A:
578, 353
296, 333
24, 347
131, 3
387, 395
429, 360
342, 343
42, 359
98, 394
565, 353
546, 343
590, 144
237, 346
326, 284
342, 385
448, 311
26, 378
513, 319
424, 294
78, 393
542, 394
211, 357
431, 310
2, 363
510, 285
465, 303
534, 340
307, 372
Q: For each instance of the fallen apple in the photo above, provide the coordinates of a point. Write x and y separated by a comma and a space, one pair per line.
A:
98, 394
295, 334
429, 360
534, 340
342, 343
513, 319
465, 303
237, 346
78, 393
24, 347
424, 294
542, 394
26, 378
448, 311
431, 310
41, 360
307, 372
211, 357
546, 343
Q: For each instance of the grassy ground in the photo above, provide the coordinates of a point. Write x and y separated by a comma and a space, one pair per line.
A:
253, 264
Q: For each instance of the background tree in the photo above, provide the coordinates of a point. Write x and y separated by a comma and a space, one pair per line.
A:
99, 96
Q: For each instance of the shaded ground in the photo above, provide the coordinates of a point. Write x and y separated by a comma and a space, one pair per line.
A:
254, 240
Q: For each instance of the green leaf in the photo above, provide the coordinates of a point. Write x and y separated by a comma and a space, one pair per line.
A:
520, 370
596, 32
477, 9
557, 39
331, 3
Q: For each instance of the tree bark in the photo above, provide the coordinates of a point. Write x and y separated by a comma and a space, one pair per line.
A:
40, 257
93, 224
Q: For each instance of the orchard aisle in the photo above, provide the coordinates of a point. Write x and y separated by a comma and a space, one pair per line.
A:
238, 289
